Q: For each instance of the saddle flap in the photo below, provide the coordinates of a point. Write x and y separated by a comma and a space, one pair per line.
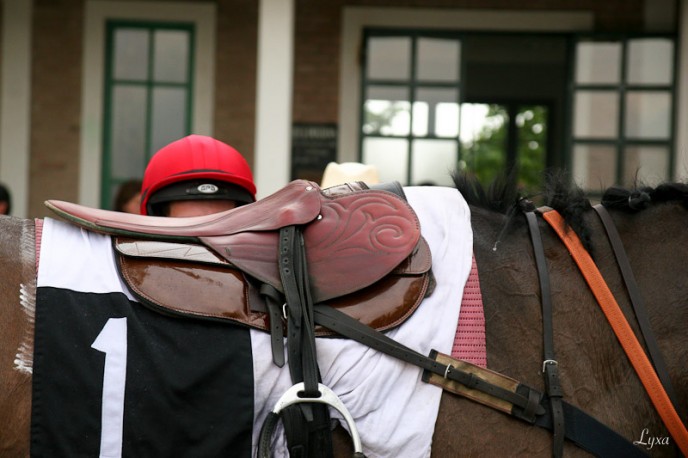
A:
191, 281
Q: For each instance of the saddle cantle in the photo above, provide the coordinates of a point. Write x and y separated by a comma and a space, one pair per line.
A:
364, 252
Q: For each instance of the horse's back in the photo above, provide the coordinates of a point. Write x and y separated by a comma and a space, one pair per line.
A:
17, 301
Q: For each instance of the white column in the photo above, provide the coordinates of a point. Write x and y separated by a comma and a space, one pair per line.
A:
15, 108
274, 95
681, 165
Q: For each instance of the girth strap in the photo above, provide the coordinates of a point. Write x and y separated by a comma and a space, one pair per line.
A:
550, 366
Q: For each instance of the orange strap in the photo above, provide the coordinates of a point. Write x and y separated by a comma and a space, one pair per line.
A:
623, 331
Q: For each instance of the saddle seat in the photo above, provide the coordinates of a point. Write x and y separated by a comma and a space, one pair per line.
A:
363, 248
352, 239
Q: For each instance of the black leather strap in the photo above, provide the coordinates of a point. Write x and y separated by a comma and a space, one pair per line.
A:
307, 425
550, 366
591, 435
637, 301
274, 301
581, 428
527, 403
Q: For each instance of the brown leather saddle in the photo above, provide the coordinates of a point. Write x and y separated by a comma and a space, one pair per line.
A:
364, 252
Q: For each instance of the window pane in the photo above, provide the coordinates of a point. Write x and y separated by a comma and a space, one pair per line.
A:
649, 163
648, 114
168, 116
387, 111
438, 59
128, 138
531, 124
389, 58
483, 140
171, 59
596, 114
389, 155
594, 166
435, 112
650, 61
598, 63
131, 54
433, 161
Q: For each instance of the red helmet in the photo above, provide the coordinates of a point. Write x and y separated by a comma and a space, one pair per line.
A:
196, 167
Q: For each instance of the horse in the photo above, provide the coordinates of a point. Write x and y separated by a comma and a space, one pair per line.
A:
595, 373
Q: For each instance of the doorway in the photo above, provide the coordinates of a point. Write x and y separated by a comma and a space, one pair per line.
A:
508, 137
514, 104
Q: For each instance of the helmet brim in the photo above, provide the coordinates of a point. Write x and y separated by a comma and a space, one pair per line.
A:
198, 190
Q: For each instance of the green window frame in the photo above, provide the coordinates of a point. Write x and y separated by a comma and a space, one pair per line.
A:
148, 95
617, 130
401, 132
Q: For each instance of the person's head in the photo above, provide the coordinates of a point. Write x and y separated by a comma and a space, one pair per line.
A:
196, 175
128, 198
5, 200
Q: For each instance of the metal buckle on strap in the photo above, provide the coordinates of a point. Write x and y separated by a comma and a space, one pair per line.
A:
548, 361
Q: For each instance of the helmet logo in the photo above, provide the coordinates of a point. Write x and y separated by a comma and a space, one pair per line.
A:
207, 188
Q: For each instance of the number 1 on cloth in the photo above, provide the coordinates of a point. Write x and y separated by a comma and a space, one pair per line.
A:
112, 341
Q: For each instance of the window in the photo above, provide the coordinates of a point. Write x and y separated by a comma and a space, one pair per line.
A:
410, 117
623, 105
148, 96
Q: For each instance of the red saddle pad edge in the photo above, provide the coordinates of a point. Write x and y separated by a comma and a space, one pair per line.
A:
38, 224
469, 341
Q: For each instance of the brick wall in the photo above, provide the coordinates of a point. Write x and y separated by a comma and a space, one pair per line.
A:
55, 102
235, 74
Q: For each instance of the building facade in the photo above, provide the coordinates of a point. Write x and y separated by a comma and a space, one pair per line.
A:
91, 88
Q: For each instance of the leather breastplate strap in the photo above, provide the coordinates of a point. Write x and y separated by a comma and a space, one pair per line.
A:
550, 366
636, 301
623, 331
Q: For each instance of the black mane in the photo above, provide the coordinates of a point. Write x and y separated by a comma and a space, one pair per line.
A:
562, 194
503, 196
640, 197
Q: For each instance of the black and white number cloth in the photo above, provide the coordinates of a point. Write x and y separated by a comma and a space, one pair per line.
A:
112, 378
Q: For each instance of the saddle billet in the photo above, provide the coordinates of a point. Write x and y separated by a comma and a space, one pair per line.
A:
352, 239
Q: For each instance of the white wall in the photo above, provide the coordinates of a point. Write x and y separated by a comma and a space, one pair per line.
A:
274, 90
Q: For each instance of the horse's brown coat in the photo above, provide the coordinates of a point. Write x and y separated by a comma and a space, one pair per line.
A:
595, 373
17, 270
